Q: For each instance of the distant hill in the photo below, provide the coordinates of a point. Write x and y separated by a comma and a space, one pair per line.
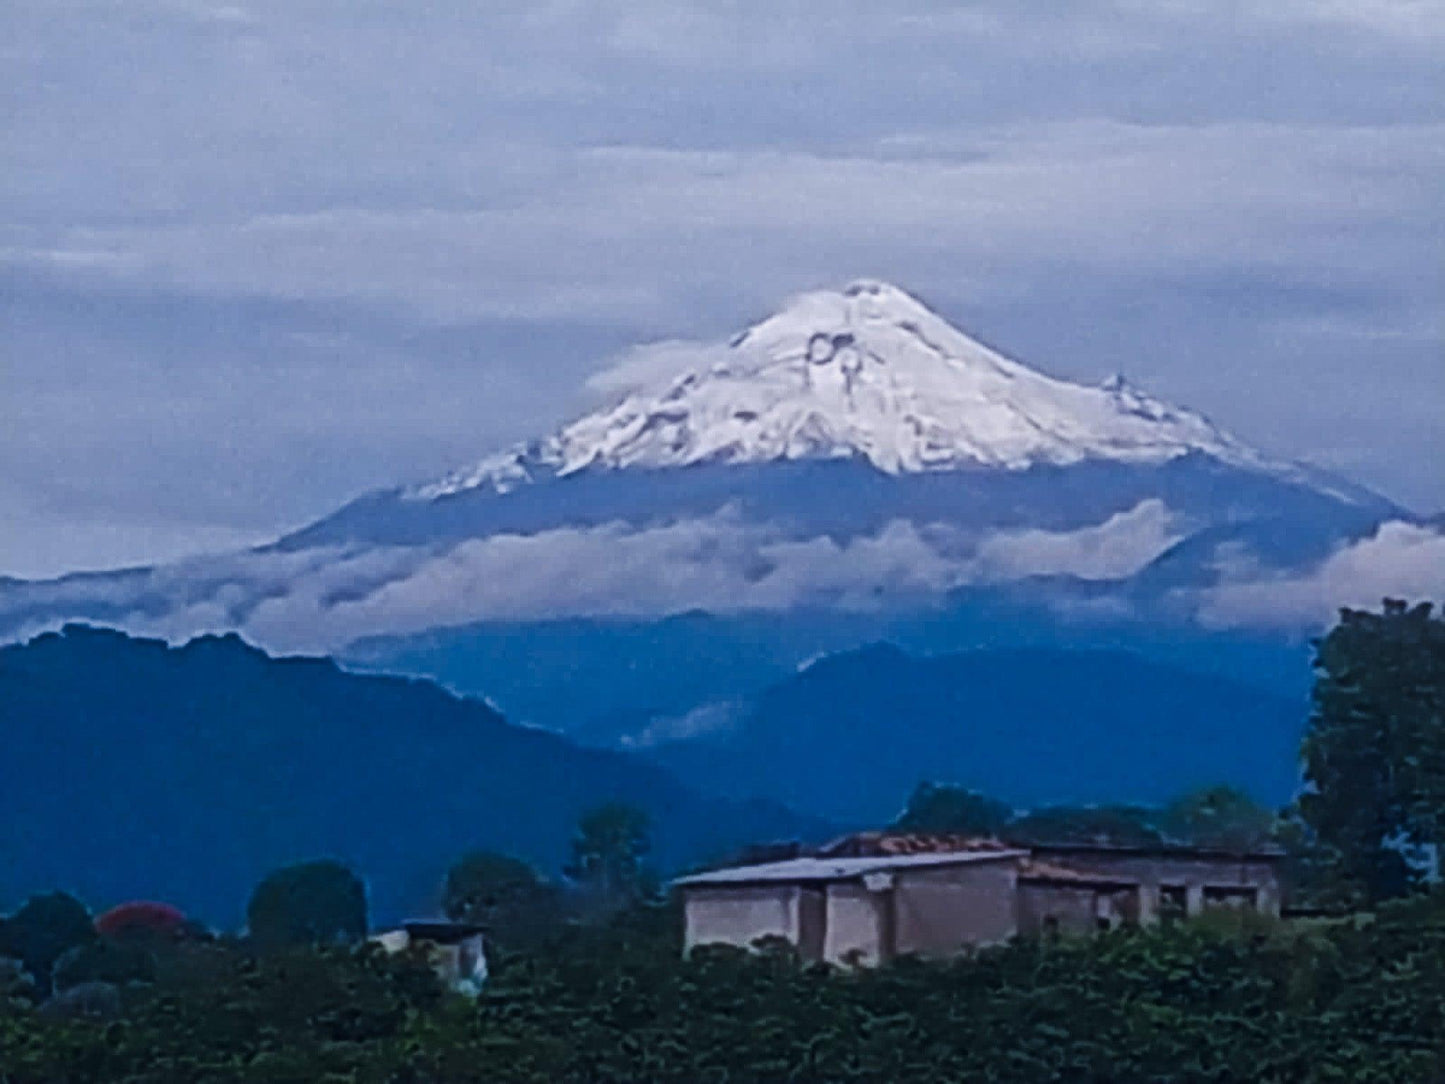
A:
850, 735
133, 769
599, 680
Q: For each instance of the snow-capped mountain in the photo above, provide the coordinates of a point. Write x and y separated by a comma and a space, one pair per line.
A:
853, 452
870, 373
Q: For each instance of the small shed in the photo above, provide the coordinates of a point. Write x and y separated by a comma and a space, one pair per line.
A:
456, 950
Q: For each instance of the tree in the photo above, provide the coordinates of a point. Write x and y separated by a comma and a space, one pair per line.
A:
1219, 816
1374, 751
937, 807
504, 894
312, 903
1121, 825
42, 931
608, 851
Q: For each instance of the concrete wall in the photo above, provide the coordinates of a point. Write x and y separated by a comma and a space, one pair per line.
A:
858, 924
938, 912
1193, 874
740, 915
1073, 909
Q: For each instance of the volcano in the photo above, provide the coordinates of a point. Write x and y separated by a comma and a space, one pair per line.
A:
853, 453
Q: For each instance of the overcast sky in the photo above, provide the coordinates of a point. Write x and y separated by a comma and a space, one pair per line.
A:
257, 257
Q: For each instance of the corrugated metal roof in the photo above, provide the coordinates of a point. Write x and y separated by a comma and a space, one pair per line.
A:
814, 870
871, 844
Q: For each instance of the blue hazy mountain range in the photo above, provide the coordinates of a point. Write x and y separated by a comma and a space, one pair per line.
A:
605, 680
1034, 726
137, 770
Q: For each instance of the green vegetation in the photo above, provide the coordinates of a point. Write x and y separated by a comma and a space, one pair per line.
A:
1207, 1001
1218, 816
1374, 754
933, 807
311, 903
608, 852
44, 930
588, 982
510, 898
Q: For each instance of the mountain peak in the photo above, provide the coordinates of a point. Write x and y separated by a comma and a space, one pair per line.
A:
867, 372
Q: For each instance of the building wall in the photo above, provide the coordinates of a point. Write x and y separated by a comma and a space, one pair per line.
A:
740, 915
1072, 908
938, 912
858, 922
1194, 874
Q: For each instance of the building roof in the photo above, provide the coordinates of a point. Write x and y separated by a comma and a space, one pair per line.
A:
1033, 871
440, 931
822, 869
879, 844
1162, 850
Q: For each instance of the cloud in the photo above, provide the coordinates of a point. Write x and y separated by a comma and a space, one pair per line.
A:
650, 364
706, 719
326, 597
1400, 560
1117, 548
323, 598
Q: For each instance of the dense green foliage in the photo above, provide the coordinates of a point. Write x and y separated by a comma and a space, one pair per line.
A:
1374, 753
44, 930
510, 898
608, 852
934, 807
310, 903
1218, 816
1356, 1000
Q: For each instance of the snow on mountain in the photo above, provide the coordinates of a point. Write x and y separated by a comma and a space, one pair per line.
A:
853, 452
867, 372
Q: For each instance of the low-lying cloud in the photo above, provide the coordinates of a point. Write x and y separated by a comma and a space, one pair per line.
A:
1400, 560
325, 597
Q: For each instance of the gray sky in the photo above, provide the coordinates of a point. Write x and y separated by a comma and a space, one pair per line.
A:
258, 257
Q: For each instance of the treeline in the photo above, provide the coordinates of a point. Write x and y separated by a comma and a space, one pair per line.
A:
52, 945
1217, 999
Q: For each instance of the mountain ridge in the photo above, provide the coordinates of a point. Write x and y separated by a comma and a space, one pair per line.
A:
848, 733
137, 769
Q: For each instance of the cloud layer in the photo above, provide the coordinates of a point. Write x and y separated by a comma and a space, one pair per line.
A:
1400, 560
324, 598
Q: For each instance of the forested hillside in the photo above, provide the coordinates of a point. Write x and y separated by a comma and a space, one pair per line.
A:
136, 769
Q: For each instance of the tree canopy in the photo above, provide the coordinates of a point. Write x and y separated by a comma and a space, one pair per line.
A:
319, 902
935, 807
44, 929
506, 895
608, 851
1374, 752
1219, 816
